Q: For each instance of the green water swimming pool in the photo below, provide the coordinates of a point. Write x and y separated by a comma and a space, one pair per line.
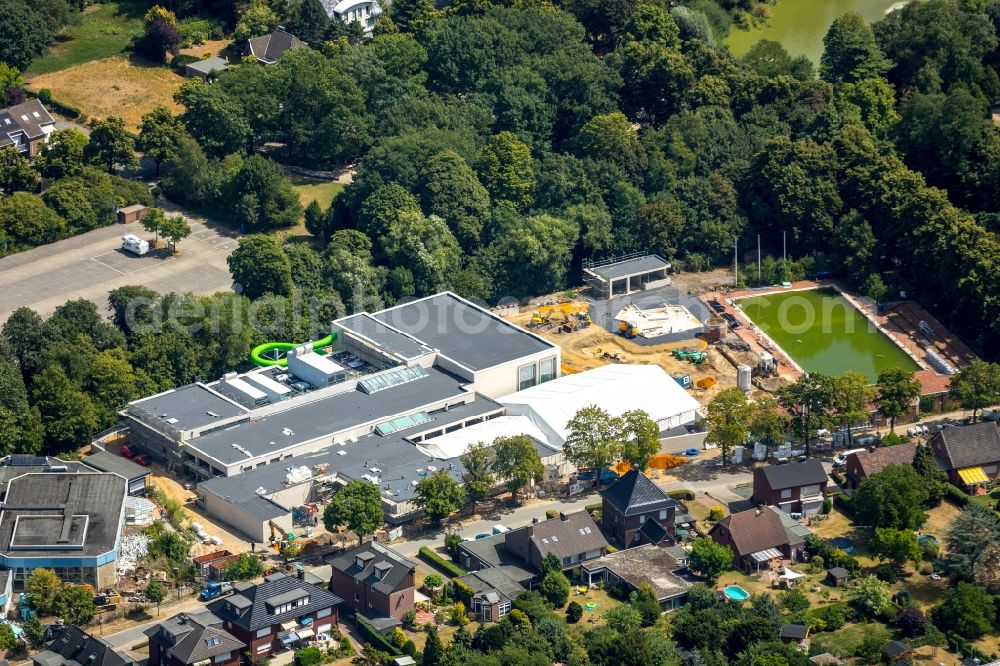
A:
823, 332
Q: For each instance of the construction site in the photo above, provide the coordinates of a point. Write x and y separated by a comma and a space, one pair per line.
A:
587, 345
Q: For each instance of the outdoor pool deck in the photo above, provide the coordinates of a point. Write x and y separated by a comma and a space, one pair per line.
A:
899, 323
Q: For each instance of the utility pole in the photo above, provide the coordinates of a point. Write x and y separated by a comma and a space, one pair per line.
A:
758, 260
784, 254
736, 264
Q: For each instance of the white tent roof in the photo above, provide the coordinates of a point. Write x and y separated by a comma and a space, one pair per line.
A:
615, 388
454, 444
788, 574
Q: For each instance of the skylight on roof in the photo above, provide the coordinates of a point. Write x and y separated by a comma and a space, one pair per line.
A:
212, 641
402, 423
390, 378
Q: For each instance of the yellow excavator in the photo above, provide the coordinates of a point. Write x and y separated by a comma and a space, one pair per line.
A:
278, 537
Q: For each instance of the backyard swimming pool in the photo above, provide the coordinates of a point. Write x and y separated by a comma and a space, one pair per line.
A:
823, 332
735, 593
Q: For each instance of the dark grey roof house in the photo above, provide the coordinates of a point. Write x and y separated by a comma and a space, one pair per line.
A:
25, 126
73, 646
273, 601
190, 638
794, 488
267, 49
636, 511
374, 580
970, 454
493, 592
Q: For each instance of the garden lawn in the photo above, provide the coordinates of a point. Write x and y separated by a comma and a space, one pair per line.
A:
104, 30
844, 641
113, 86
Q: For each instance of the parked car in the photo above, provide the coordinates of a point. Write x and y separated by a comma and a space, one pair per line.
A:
142, 459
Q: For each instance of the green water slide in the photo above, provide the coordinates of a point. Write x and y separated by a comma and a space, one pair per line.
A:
273, 353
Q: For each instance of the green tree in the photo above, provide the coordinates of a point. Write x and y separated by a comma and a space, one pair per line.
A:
646, 602
851, 396
795, 601
652, 23
410, 15
768, 58
450, 189
44, 586
850, 51
531, 254
153, 222
897, 390
16, 173
897, 546
555, 588
357, 506
158, 135
657, 79
28, 221
261, 196
728, 416
508, 172
312, 25
967, 610
709, 559
8, 641
68, 414
478, 478
874, 288
75, 605
433, 648
808, 401
516, 462
894, 497
156, 593
612, 137
661, 226
426, 247
872, 596
439, 495
768, 423
213, 118
574, 612
972, 547
246, 567
257, 19
433, 582
935, 479
550, 563
623, 619
62, 155
110, 144
175, 228
594, 438
640, 437
260, 264
35, 631
23, 33
977, 386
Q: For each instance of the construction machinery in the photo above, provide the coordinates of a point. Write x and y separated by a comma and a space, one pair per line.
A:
279, 538
627, 330
695, 357
562, 315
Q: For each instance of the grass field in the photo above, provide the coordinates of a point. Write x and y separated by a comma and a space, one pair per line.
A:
104, 30
322, 193
113, 86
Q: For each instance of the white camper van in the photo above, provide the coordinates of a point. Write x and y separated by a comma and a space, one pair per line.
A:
135, 245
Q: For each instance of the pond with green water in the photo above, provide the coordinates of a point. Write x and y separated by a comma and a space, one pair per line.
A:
800, 25
823, 332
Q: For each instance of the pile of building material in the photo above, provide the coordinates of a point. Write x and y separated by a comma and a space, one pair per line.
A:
657, 322
133, 548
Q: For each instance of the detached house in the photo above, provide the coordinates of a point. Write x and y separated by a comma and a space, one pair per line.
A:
863, 464
268, 49
759, 538
72, 646
375, 581
193, 638
277, 613
969, 454
635, 511
794, 488
25, 126
573, 538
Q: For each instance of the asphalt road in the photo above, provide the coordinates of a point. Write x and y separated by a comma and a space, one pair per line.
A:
91, 264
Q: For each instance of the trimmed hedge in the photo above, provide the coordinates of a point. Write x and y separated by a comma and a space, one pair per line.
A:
843, 504
375, 637
441, 564
686, 495
955, 495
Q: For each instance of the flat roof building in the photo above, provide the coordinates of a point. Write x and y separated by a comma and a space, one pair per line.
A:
69, 522
623, 275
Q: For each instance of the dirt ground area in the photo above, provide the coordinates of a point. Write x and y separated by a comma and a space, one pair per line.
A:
175, 491
595, 346
113, 87
213, 47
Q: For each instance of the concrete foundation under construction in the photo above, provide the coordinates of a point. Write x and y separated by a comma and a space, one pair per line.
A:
665, 323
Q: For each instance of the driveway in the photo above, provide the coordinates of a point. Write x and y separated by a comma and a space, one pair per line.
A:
92, 264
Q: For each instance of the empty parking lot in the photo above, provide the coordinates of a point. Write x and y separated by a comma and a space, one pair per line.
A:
92, 264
